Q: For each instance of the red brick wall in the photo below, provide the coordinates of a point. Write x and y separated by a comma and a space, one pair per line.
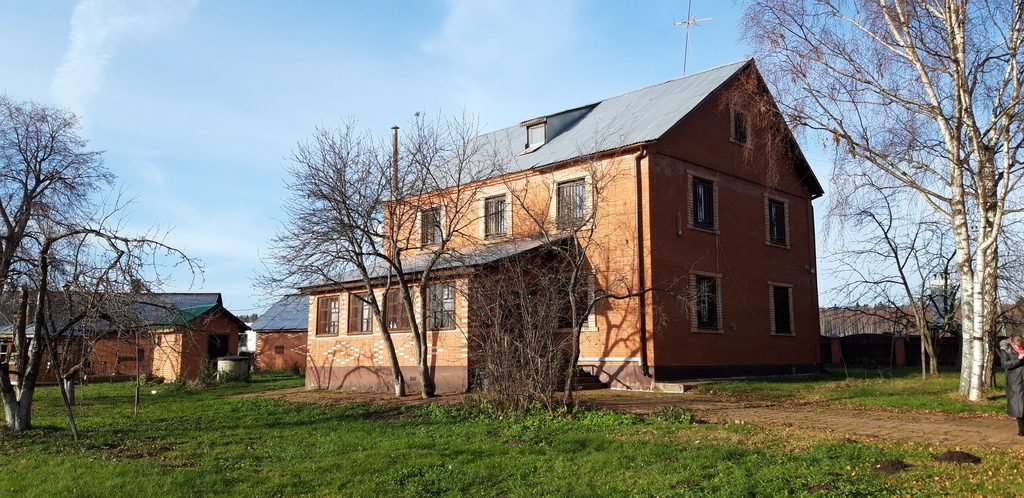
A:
280, 350
736, 250
357, 360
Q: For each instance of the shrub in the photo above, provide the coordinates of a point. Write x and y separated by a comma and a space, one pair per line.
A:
672, 414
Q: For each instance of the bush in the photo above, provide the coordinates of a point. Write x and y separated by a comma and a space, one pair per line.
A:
672, 414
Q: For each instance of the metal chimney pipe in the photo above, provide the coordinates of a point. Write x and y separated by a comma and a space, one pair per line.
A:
394, 162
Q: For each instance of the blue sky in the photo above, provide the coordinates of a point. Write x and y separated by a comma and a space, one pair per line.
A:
198, 103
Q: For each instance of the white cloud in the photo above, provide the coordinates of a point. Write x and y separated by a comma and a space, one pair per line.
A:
504, 33
96, 28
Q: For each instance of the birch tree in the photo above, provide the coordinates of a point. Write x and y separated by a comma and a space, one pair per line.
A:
928, 92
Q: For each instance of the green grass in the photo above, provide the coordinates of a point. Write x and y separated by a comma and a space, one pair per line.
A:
205, 442
898, 389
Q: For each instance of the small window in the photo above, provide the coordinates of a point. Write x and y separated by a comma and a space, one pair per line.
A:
536, 135
777, 222
782, 309
441, 314
360, 315
397, 317
278, 349
430, 226
739, 127
494, 216
703, 203
327, 316
140, 355
706, 301
571, 204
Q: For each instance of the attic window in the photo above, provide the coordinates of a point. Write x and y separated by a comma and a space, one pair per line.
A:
535, 135
739, 127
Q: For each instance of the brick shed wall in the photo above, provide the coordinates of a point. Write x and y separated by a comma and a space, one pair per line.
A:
292, 347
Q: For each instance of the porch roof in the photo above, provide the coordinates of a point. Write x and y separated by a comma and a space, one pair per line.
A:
457, 258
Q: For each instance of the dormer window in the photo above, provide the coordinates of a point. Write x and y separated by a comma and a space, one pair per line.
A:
536, 135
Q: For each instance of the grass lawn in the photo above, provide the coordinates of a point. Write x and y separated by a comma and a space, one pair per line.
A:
205, 442
862, 387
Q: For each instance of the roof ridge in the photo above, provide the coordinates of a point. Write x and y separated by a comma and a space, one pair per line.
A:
673, 80
597, 102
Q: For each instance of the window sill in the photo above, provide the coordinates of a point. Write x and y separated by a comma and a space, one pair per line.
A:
784, 334
359, 333
708, 330
699, 228
782, 245
317, 336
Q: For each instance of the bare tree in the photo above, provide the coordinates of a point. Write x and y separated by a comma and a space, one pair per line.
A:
518, 311
888, 252
579, 233
383, 215
64, 256
930, 93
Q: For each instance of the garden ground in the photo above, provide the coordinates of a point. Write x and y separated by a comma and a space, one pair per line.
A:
963, 430
862, 433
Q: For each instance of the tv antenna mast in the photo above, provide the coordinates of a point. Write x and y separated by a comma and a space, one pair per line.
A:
690, 22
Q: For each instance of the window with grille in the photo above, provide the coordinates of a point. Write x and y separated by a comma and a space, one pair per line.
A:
782, 309
441, 312
703, 203
430, 226
776, 222
739, 127
572, 204
706, 301
494, 216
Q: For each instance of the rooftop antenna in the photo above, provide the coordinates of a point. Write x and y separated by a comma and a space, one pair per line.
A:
690, 22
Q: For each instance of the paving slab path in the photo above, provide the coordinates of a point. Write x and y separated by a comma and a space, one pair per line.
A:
959, 431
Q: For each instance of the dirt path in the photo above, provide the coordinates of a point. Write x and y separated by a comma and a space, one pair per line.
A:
953, 431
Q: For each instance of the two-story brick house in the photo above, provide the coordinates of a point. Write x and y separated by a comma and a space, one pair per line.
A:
682, 188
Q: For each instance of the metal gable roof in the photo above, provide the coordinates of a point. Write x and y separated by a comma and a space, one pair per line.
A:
289, 313
635, 117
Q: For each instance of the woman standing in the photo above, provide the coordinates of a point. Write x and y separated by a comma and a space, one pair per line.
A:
1011, 355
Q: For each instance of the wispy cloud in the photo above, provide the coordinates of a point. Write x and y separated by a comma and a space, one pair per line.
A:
97, 26
504, 33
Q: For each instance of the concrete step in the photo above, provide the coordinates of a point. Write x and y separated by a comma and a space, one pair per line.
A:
675, 387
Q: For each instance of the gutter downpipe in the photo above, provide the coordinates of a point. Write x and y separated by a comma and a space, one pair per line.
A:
641, 269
